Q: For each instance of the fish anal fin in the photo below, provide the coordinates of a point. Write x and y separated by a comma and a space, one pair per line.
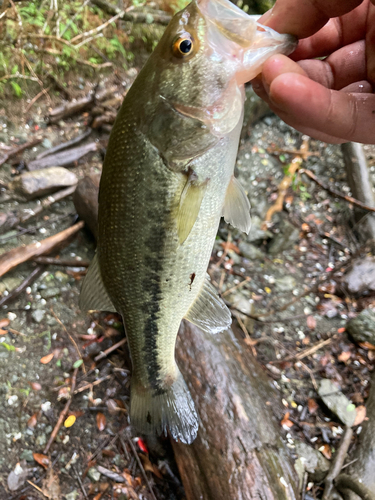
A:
208, 311
94, 296
190, 204
237, 207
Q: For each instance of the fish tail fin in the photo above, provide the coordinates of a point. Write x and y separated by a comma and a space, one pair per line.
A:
171, 408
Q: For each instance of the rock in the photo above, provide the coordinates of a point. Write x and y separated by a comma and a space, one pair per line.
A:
337, 402
50, 292
27, 455
313, 461
361, 278
250, 251
256, 233
18, 476
362, 328
38, 315
285, 284
85, 199
93, 474
285, 239
73, 495
62, 277
30, 185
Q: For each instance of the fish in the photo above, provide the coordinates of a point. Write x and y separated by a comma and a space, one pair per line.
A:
167, 180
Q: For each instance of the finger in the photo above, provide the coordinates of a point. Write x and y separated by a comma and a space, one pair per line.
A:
370, 43
362, 87
343, 67
350, 117
303, 18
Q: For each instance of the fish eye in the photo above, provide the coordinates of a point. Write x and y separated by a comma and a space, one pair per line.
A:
183, 46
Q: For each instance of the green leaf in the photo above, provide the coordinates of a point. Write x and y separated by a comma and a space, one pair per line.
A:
8, 347
58, 363
77, 363
14, 69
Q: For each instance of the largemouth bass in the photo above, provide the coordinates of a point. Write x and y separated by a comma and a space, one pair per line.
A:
167, 180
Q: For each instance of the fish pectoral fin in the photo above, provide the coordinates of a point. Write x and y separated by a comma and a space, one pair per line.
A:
190, 204
237, 207
94, 296
209, 312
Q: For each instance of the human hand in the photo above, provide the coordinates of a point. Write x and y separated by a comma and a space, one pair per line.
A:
331, 99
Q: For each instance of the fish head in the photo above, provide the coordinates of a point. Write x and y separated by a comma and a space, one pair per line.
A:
207, 53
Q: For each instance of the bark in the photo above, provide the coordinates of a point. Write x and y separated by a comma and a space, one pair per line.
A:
239, 453
361, 186
364, 466
63, 158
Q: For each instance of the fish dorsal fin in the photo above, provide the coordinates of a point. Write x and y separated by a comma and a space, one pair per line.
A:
94, 296
209, 312
237, 207
190, 203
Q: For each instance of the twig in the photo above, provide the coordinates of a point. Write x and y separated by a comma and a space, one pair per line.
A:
10, 260
37, 488
142, 469
54, 52
13, 294
110, 474
236, 287
105, 353
80, 483
307, 352
61, 262
126, 453
71, 339
91, 384
349, 199
34, 99
51, 37
65, 145
107, 441
345, 482
134, 17
20, 149
62, 414
338, 462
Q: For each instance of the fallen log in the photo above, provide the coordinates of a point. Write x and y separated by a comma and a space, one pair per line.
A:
239, 453
134, 17
64, 158
65, 145
71, 108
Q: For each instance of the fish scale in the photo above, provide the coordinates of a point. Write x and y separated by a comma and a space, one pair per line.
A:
167, 180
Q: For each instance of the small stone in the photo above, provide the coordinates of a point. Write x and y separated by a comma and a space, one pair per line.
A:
73, 495
50, 292
286, 238
27, 455
250, 251
30, 185
38, 315
93, 474
62, 277
313, 461
361, 277
41, 440
337, 402
256, 233
285, 284
362, 328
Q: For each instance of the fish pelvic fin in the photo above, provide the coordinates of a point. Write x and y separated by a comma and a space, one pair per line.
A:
168, 409
94, 296
236, 209
208, 312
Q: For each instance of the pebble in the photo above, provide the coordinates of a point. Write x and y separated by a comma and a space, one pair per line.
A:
38, 315
93, 474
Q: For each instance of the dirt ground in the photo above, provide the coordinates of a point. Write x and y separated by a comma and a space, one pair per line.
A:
303, 250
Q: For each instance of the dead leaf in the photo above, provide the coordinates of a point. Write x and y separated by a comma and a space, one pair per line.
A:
311, 322
367, 345
46, 359
326, 451
312, 406
148, 466
227, 245
344, 356
101, 421
341, 330
35, 386
361, 415
42, 460
4, 322
286, 422
305, 227
31, 423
